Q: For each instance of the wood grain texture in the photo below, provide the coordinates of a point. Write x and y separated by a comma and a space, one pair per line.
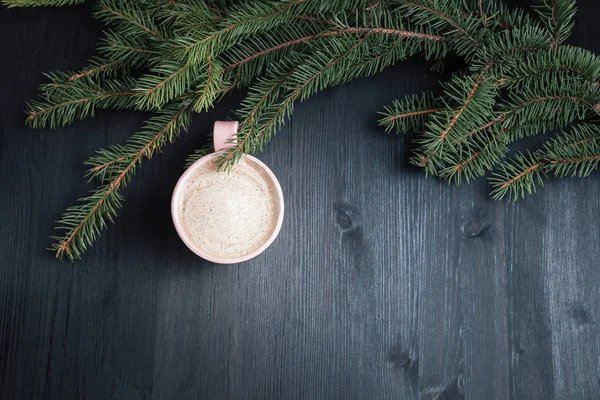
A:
381, 285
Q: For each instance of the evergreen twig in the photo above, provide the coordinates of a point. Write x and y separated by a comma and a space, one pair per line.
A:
84, 222
176, 57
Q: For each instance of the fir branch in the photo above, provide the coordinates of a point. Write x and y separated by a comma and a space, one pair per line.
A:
71, 100
554, 101
576, 153
277, 47
84, 222
580, 163
508, 48
99, 208
558, 16
247, 20
474, 160
574, 61
120, 54
104, 162
251, 19
195, 5
316, 7
212, 85
481, 128
183, 18
263, 94
409, 113
369, 54
165, 82
250, 59
304, 81
549, 98
444, 134
505, 18
98, 66
342, 31
114, 42
129, 19
37, 3
517, 177
473, 100
447, 19
315, 19
474, 154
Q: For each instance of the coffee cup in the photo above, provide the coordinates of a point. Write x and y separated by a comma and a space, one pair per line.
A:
227, 216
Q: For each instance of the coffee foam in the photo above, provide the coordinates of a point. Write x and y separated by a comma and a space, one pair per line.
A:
229, 214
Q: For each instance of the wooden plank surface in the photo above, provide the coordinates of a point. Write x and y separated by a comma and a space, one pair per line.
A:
382, 284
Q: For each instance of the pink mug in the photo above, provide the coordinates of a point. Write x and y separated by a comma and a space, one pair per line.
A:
222, 138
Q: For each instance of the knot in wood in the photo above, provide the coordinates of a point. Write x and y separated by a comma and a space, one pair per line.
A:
472, 228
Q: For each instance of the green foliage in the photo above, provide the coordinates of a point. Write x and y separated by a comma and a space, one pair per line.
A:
517, 176
178, 57
409, 114
69, 99
468, 104
461, 26
522, 82
574, 62
35, 3
502, 18
131, 19
573, 153
114, 167
475, 159
507, 49
556, 98
558, 16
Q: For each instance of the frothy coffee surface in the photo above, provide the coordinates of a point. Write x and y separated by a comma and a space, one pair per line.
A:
229, 214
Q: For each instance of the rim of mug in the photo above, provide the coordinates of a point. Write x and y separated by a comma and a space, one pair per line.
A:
175, 215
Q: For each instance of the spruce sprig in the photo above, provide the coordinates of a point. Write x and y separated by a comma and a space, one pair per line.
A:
409, 114
114, 167
558, 16
37, 3
175, 58
67, 100
573, 153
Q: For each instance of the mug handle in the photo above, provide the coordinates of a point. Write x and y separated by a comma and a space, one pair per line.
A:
223, 131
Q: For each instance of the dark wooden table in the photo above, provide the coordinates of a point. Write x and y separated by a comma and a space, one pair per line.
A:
381, 285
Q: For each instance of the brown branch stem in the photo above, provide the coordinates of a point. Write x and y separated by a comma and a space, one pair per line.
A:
134, 22
410, 114
291, 98
163, 82
521, 175
445, 18
458, 168
575, 159
101, 95
114, 185
444, 133
333, 33
106, 164
230, 27
582, 141
545, 98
